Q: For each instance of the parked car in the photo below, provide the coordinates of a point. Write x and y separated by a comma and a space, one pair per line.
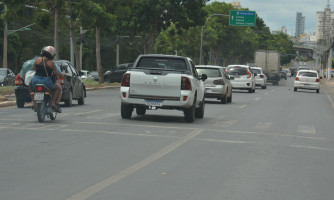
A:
72, 85
116, 74
85, 75
95, 75
218, 84
242, 77
7, 77
283, 75
307, 79
261, 78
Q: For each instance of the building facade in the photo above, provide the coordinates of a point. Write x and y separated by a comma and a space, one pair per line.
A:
300, 24
324, 23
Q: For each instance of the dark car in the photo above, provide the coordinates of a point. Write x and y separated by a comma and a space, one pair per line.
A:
72, 85
116, 74
7, 77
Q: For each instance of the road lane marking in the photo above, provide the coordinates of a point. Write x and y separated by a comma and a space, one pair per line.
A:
225, 123
264, 125
243, 106
102, 116
258, 98
90, 191
305, 129
84, 113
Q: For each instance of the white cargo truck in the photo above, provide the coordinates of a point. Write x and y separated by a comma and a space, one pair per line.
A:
269, 61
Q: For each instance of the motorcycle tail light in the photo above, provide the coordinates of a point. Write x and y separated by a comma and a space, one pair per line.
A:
39, 89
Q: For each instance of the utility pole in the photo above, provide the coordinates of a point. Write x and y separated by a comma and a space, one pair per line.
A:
5, 30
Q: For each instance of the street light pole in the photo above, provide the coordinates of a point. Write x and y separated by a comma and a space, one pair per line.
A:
200, 53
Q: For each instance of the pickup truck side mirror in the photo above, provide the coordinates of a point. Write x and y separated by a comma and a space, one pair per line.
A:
204, 77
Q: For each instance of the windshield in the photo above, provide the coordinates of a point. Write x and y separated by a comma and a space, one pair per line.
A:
162, 63
210, 72
237, 70
257, 71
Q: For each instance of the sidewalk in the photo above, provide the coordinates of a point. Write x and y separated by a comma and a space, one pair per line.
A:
328, 88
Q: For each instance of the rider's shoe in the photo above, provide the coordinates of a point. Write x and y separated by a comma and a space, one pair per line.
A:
58, 108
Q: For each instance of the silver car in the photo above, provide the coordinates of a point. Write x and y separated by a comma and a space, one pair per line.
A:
218, 84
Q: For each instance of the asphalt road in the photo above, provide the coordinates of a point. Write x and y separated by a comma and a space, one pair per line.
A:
272, 144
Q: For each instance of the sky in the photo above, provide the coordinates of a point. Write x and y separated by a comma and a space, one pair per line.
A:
278, 13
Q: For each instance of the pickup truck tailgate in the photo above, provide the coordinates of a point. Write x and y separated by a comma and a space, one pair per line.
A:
155, 86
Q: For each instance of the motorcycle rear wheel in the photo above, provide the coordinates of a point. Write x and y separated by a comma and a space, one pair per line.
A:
40, 109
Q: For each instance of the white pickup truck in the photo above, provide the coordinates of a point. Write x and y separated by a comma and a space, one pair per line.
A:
163, 82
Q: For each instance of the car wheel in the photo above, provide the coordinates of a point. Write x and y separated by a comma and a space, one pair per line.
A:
140, 110
189, 113
229, 99
19, 103
250, 90
223, 100
318, 90
126, 111
68, 102
81, 101
200, 111
107, 79
295, 89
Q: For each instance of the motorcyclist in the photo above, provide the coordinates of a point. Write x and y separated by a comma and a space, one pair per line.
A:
45, 67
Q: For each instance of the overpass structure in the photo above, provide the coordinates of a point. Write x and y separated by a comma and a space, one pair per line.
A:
304, 51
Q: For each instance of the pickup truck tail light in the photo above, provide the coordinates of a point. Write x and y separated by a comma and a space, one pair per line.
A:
126, 80
185, 83
18, 80
219, 82
297, 78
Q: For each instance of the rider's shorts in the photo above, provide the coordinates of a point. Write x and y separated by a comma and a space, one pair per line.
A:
42, 80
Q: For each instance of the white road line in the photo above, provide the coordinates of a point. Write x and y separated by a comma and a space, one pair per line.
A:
90, 191
305, 129
83, 113
102, 116
243, 106
258, 98
267, 93
264, 125
225, 123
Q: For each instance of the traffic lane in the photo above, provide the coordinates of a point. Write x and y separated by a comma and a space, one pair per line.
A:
214, 170
49, 163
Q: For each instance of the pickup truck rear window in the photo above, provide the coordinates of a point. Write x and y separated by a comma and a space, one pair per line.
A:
162, 63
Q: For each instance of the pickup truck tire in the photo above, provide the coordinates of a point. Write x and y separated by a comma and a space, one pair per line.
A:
189, 113
126, 111
224, 99
140, 110
200, 111
229, 99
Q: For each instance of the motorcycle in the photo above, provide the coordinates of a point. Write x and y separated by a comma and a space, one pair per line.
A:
42, 99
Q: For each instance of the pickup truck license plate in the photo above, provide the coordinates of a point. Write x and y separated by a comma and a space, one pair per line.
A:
39, 96
154, 103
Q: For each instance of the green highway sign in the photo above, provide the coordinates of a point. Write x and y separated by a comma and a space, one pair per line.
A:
242, 18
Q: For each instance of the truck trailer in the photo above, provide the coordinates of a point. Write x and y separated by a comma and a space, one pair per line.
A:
269, 61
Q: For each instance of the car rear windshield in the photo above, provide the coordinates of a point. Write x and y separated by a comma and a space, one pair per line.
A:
237, 70
210, 72
256, 71
162, 63
308, 74
3, 72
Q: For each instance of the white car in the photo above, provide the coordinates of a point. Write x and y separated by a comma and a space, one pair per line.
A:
218, 84
85, 75
242, 77
260, 78
307, 79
